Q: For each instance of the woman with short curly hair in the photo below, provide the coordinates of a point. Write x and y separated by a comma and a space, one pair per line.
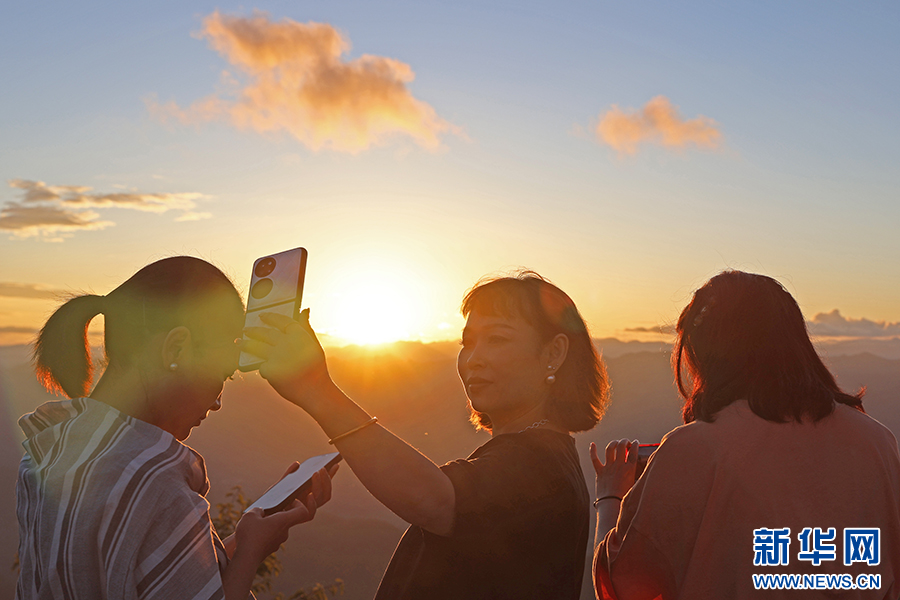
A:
510, 521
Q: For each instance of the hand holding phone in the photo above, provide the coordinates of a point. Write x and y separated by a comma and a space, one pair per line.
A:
276, 286
294, 485
616, 475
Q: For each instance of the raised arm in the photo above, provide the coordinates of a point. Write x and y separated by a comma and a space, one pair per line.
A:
397, 474
614, 479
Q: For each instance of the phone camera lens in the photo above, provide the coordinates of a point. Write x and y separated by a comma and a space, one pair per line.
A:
262, 287
264, 267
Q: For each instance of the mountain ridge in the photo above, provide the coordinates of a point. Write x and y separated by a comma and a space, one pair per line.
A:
414, 390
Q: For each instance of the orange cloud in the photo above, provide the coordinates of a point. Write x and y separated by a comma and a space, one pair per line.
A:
657, 123
50, 222
76, 196
664, 329
297, 81
53, 212
11, 289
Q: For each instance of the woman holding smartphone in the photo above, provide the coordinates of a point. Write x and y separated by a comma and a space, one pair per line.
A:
511, 520
774, 463
110, 503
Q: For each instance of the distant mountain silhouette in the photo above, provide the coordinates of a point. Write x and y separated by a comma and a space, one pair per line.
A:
415, 392
883, 347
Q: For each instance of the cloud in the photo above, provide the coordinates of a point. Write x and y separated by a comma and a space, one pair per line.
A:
834, 324
657, 123
53, 212
23, 329
297, 80
665, 329
78, 196
50, 222
10, 289
38, 191
17, 329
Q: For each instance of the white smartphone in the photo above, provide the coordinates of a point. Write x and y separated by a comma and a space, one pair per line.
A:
276, 285
296, 485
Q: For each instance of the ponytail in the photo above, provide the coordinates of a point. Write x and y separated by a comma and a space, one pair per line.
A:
175, 291
62, 356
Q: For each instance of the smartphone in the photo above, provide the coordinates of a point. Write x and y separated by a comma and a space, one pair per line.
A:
296, 485
644, 452
276, 285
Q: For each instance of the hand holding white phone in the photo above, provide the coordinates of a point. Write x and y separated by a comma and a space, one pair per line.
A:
294, 485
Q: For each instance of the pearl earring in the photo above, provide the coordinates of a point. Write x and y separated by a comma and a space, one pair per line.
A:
173, 367
551, 378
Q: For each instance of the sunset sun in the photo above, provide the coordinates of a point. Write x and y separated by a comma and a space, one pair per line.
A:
376, 307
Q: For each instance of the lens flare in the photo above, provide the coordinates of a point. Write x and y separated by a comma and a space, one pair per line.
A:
376, 307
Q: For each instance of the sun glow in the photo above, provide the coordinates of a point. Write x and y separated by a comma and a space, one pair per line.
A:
375, 307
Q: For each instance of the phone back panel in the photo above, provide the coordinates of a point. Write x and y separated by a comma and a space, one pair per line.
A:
276, 285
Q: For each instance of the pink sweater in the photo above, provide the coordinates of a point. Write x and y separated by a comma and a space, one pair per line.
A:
686, 529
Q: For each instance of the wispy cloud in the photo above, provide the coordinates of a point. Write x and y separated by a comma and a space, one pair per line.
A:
658, 122
17, 329
831, 324
52, 223
834, 324
78, 197
296, 79
53, 212
663, 329
9, 289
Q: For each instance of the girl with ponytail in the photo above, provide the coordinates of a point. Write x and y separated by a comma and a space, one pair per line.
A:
110, 503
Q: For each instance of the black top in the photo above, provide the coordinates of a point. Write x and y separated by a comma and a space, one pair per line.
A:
520, 530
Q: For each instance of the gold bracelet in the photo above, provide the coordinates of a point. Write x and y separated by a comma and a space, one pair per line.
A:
352, 431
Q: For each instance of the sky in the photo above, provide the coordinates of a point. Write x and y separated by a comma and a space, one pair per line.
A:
626, 151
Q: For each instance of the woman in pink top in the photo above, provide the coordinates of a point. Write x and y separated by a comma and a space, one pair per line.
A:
778, 481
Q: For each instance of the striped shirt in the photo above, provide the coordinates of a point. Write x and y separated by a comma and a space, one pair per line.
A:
111, 507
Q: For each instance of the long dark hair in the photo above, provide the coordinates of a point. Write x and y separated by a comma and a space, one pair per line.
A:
181, 290
743, 337
581, 392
